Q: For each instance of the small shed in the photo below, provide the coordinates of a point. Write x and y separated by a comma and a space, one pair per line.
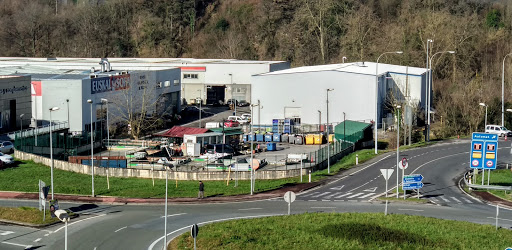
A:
176, 133
204, 138
353, 131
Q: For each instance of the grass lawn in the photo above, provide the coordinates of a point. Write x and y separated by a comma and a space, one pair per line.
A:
25, 175
25, 214
500, 177
346, 231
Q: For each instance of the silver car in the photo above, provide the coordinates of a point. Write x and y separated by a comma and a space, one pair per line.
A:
6, 159
6, 147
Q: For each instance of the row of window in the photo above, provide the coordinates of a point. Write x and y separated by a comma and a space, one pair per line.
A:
167, 84
190, 76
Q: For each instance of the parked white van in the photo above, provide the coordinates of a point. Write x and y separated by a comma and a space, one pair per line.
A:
238, 119
497, 129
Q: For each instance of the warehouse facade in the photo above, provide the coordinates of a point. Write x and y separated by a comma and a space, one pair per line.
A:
15, 103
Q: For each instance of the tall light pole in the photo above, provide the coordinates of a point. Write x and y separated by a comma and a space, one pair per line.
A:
200, 101
484, 105
503, 90
397, 145
21, 124
259, 112
328, 132
377, 94
430, 80
319, 129
92, 150
429, 41
51, 146
252, 148
103, 100
165, 216
232, 96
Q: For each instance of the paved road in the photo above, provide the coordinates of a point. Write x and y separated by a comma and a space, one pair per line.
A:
141, 226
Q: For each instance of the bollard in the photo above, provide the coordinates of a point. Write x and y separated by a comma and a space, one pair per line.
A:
310, 176
357, 159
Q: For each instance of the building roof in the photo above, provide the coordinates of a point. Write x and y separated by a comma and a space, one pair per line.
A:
46, 73
367, 68
350, 130
228, 131
179, 131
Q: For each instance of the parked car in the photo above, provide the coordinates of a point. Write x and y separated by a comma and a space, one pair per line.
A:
246, 117
7, 147
243, 103
231, 101
238, 119
497, 129
231, 124
6, 159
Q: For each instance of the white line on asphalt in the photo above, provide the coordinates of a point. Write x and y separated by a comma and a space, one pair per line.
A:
206, 222
366, 195
444, 199
326, 200
6, 233
38, 239
119, 229
28, 247
355, 195
254, 208
408, 209
306, 195
100, 215
318, 195
498, 218
331, 195
455, 199
466, 200
352, 200
345, 194
311, 200
171, 215
323, 207
16, 244
46, 234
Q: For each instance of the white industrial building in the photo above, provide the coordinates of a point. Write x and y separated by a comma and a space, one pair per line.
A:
69, 89
299, 93
211, 80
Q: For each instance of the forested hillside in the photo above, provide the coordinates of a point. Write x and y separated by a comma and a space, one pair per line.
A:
304, 32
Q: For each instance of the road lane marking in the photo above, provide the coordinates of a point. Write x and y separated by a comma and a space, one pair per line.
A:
206, 222
6, 233
466, 200
311, 200
455, 199
408, 209
254, 208
16, 244
306, 195
370, 189
498, 218
323, 207
355, 195
171, 215
119, 229
69, 224
338, 187
318, 195
345, 194
366, 195
38, 239
444, 199
331, 195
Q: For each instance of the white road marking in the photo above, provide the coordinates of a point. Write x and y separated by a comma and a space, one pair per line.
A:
370, 189
38, 239
355, 195
119, 229
366, 195
466, 200
318, 195
444, 199
69, 224
206, 222
326, 200
323, 207
171, 215
455, 199
331, 195
28, 247
245, 209
498, 218
345, 194
311, 200
338, 187
376, 196
16, 244
6, 233
408, 209
433, 199
306, 195
46, 234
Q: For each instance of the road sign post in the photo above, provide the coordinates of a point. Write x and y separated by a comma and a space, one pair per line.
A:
386, 173
289, 197
411, 182
403, 165
484, 152
194, 230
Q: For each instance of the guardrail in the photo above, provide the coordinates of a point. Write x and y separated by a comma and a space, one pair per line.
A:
37, 131
505, 188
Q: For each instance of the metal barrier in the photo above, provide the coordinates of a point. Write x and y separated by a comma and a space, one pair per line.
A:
37, 131
505, 188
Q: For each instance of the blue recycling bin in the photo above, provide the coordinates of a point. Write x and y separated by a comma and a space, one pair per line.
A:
271, 146
276, 137
260, 137
250, 138
268, 138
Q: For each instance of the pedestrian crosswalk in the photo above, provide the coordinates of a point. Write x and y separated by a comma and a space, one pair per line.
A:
450, 199
336, 196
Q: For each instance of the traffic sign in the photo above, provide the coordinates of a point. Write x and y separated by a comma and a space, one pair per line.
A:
403, 163
413, 178
289, 197
386, 173
194, 230
412, 185
484, 151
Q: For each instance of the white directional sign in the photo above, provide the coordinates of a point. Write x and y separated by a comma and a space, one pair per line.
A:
386, 173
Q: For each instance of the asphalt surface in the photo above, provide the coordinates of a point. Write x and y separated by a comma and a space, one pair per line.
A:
141, 226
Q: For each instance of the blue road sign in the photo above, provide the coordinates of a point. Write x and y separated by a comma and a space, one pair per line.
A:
484, 151
413, 178
412, 185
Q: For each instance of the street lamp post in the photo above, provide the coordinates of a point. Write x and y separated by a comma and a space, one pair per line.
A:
103, 100
397, 145
21, 124
429, 41
328, 132
503, 90
484, 105
252, 148
232, 97
64, 217
51, 146
165, 216
430, 80
200, 101
92, 150
377, 94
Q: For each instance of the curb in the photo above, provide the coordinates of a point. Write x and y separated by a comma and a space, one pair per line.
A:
26, 224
